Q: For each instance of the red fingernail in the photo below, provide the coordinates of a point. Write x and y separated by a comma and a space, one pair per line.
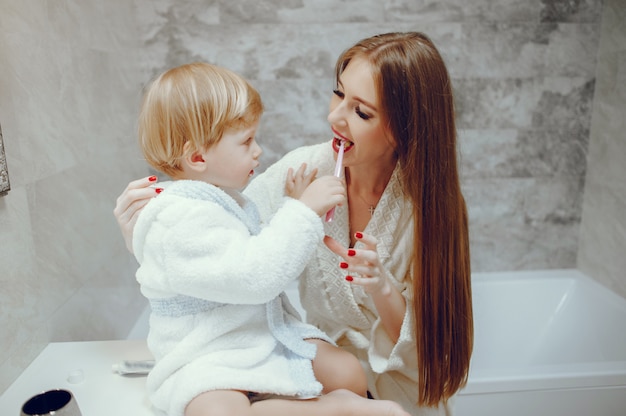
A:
343, 265
351, 252
349, 278
358, 235
152, 178
158, 190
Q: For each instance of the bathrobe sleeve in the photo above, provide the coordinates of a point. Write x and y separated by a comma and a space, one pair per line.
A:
386, 355
222, 262
268, 189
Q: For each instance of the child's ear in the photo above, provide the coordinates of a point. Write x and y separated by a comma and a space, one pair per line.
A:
193, 159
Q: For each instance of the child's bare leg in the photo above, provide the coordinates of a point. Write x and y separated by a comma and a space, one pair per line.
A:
338, 369
335, 403
220, 403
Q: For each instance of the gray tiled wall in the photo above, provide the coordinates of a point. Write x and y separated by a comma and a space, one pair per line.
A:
523, 72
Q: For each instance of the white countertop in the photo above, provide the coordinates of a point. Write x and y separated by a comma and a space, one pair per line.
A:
99, 392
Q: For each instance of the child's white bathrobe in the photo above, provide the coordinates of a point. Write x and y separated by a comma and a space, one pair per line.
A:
214, 279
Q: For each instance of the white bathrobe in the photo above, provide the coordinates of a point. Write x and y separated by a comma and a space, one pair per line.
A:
214, 279
343, 310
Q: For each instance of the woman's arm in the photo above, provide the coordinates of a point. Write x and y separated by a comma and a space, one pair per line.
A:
266, 190
365, 269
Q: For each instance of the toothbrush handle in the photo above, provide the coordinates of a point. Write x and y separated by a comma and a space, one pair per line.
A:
331, 213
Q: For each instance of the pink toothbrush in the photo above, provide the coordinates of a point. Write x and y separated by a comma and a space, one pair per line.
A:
331, 213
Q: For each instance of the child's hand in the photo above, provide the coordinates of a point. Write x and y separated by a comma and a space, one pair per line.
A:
298, 182
323, 194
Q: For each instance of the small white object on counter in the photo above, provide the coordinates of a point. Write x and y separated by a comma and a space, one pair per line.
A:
133, 367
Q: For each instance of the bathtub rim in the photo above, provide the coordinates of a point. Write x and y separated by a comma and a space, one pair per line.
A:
547, 376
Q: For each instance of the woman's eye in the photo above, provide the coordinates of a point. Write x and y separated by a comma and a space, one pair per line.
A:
338, 93
361, 113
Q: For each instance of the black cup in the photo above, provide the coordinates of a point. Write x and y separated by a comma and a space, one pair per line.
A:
53, 402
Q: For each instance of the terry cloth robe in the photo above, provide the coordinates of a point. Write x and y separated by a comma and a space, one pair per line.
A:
214, 280
343, 310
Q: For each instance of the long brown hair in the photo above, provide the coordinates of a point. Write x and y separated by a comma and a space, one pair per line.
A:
417, 103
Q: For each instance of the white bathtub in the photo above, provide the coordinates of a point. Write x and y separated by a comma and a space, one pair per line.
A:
546, 343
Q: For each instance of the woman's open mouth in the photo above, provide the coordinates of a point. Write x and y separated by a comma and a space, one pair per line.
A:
347, 144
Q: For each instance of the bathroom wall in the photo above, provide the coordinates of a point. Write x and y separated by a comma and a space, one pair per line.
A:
602, 247
69, 81
524, 75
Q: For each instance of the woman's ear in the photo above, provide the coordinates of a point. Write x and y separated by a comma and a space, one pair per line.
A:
193, 159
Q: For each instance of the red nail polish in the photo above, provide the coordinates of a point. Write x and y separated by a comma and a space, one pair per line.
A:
343, 265
349, 278
358, 235
152, 178
351, 252
158, 190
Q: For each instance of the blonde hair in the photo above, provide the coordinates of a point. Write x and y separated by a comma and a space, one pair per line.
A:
193, 103
418, 106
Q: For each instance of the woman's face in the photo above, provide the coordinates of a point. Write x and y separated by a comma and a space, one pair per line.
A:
355, 118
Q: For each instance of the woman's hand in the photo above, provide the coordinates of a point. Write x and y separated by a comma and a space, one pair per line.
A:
297, 182
130, 203
363, 265
366, 270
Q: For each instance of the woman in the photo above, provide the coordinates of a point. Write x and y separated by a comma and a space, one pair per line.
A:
396, 289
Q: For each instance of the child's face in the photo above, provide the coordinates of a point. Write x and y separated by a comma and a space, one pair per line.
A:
231, 162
